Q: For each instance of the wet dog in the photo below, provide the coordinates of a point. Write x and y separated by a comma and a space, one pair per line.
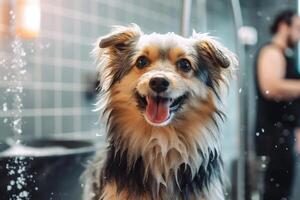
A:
160, 96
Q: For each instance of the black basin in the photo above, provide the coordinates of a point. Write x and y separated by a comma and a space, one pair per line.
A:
50, 175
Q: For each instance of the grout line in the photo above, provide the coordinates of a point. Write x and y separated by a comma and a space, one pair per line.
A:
57, 72
57, 111
97, 20
77, 135
145, 12
77, 118
73, 63
38, 96
81, 16
77, 39
56, 86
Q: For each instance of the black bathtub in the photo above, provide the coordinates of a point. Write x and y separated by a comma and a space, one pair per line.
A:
40, 174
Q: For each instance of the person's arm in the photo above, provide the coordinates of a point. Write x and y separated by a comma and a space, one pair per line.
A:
271, 73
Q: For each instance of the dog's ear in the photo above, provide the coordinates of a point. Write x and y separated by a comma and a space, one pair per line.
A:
112, 53
121, 37
214, 52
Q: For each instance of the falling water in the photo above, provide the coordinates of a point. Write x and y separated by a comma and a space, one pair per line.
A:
16, 71
14, 67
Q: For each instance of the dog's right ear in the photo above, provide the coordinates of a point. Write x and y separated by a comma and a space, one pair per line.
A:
121, 37
111, 53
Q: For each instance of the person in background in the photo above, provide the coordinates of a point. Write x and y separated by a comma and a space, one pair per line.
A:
278, 87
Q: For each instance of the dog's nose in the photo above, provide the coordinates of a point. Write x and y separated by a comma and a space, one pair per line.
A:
159, 84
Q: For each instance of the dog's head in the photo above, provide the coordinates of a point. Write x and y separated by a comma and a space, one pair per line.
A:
156, 78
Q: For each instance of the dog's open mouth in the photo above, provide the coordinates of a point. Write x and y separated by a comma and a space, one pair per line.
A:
158, 109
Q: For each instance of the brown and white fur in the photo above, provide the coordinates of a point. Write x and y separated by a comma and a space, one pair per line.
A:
170, 151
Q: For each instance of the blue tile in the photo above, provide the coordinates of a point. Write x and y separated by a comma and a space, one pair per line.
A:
28, 99
68, 50
48, 73
67, 99
28, 126
48, 98
48, 125
68, 124
67, 75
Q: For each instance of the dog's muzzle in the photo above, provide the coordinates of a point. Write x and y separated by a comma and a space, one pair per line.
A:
157, 106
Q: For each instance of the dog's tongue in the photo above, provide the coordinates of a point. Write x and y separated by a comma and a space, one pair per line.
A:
157, 109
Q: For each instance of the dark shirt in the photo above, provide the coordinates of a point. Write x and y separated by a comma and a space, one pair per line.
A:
274, 116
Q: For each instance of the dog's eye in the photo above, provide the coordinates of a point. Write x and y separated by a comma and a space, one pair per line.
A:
184, 65
142, 62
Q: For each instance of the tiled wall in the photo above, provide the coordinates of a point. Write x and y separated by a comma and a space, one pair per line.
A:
223, 28
59, 68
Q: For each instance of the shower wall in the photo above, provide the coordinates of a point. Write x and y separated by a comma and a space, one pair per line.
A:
58, 90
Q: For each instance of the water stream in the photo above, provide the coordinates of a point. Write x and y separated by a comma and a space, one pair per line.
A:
14, 68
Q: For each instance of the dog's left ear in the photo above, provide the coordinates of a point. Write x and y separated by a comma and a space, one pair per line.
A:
214, 52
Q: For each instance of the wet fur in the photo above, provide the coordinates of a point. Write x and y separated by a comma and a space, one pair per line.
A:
178, 161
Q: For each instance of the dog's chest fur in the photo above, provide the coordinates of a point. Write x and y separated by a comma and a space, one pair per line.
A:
163, 168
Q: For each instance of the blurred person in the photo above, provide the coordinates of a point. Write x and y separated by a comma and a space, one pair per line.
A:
278, 87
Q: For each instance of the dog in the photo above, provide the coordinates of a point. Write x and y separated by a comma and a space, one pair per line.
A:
160, 96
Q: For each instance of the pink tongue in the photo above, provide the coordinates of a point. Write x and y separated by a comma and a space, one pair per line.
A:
157, 111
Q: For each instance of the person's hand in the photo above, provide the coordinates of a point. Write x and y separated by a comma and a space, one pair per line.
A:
297, 132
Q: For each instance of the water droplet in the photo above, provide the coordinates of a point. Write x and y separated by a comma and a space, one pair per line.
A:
23, 71
4, 107
9, 188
